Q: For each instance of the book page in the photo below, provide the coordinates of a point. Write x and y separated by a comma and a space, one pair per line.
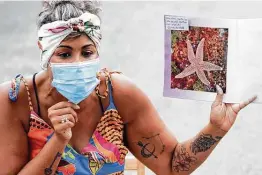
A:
250, 58
198, 57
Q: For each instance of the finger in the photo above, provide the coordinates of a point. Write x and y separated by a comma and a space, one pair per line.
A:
75, 106
64, 126
59, 119
64, 104
247, 102
63, 111
238, 107
219, 96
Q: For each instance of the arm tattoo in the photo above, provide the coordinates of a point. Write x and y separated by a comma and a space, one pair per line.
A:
218, 138
149, 147
182, 161
203, 143
49, 170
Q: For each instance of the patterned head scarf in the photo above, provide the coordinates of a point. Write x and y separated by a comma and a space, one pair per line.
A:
52, 34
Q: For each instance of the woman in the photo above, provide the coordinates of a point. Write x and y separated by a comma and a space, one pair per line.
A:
69, 119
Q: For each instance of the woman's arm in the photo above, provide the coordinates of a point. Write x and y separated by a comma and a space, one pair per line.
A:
13, 138
155, 146
46, 162
151, 142
189, 155
14, 148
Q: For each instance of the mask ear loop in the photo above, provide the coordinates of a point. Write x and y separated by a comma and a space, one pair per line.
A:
45, 66
48, 64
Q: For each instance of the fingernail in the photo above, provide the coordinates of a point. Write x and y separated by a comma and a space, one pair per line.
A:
254, 98
219, 89
77, 107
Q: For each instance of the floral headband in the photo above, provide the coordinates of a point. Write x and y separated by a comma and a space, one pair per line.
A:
52, 34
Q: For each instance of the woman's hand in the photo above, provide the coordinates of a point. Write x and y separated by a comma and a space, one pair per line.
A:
223, 115
63, 117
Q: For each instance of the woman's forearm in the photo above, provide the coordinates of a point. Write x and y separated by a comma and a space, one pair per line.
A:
190, 154
46, 162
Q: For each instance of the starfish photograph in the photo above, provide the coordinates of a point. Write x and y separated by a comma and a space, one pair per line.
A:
197, 65
199, 58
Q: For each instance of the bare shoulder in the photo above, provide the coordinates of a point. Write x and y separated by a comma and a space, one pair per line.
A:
130, 100
19, 109
122, 83
13, 147
6, 107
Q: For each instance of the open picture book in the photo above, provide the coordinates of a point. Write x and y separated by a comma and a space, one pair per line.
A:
201, 53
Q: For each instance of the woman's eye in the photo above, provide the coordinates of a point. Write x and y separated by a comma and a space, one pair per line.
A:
64, 55
87, 54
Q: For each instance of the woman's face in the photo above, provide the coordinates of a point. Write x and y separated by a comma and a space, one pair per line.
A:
76, 49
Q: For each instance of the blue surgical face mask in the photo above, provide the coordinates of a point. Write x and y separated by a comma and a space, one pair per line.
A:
75, 81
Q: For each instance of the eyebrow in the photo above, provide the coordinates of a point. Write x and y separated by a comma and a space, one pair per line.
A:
88, 45
69, 47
